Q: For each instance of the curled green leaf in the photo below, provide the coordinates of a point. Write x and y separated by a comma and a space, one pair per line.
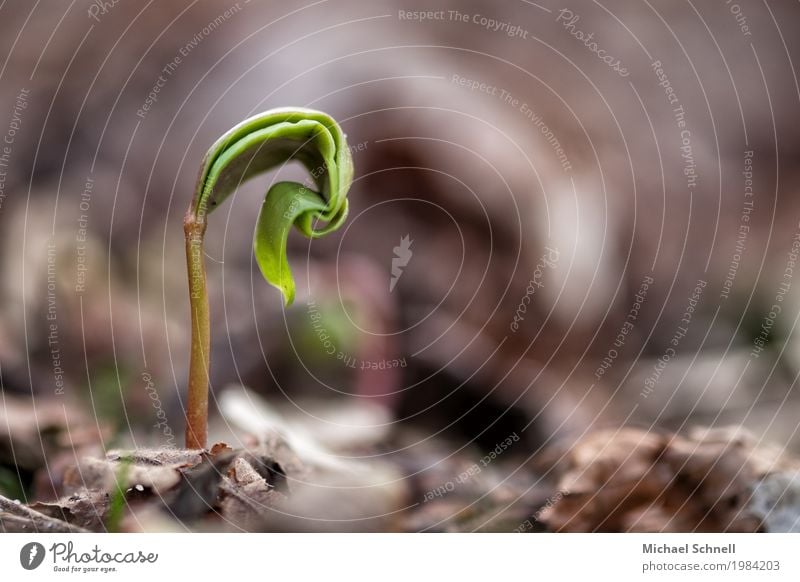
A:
261, 143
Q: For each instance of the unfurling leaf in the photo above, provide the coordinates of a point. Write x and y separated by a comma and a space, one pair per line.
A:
262, 143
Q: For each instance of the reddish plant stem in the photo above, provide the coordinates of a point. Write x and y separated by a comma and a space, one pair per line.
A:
194, 228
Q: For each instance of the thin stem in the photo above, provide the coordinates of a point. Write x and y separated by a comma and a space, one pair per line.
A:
194, 228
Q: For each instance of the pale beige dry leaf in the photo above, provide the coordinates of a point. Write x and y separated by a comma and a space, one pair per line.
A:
248, 497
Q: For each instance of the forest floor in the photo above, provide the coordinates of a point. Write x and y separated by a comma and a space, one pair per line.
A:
280, 477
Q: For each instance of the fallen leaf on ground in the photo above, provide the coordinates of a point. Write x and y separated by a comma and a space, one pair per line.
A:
632, 480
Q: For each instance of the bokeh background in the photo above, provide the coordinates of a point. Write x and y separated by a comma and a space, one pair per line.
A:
602, 199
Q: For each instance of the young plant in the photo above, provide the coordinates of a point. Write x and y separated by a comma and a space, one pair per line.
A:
252, 147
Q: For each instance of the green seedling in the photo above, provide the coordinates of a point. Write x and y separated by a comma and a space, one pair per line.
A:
253, 147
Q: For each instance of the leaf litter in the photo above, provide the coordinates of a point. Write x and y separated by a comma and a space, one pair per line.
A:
286, 476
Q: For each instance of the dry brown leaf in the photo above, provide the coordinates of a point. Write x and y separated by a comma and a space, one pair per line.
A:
85, 509
218, 448
248, 497
18, 518
632, 480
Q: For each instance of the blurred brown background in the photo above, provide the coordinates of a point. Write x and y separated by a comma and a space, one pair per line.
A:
492, 134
